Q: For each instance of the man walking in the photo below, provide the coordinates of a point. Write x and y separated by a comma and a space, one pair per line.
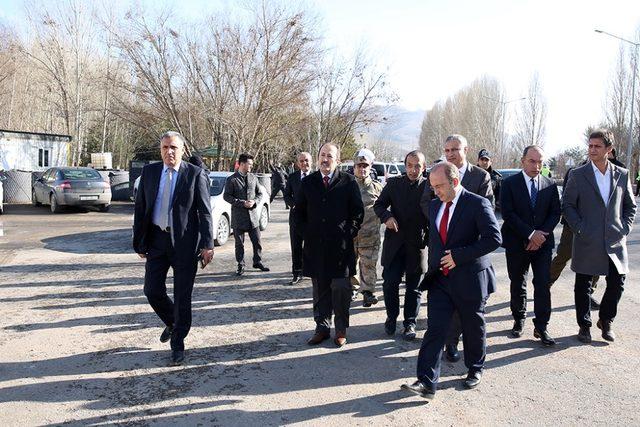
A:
243, 192
599, 206
404, 240
329, 211
172, 228
303, 161
527, 236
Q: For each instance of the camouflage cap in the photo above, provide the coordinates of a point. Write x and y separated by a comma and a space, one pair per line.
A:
363, 155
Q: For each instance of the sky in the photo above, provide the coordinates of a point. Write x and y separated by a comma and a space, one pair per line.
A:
433, 48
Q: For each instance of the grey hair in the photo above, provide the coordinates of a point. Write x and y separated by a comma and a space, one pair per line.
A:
171, 134
449, 169
304, 153
455, 137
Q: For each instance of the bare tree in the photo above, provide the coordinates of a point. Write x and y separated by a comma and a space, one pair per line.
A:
531, 117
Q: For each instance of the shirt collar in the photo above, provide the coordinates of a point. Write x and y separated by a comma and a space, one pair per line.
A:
527, 178
175, 168
464, 168
330, 175
596, 170
458, 191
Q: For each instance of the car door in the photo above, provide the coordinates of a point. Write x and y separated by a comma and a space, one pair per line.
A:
38, 186
49, 185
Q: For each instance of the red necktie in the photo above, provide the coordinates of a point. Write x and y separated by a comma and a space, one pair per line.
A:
325, 180
444, 221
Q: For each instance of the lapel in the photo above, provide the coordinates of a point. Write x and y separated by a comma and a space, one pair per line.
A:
332, 182
434, 208
466, 179
457, 213
591, 178
155, 173
182, 181
615, 177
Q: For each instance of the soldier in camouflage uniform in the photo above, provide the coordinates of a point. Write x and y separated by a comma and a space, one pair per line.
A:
367, 243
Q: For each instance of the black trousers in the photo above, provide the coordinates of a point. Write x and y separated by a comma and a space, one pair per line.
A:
176, 313
440, 307
296, 249
331, 296
392, 276
518, 262
254, 236
610, 299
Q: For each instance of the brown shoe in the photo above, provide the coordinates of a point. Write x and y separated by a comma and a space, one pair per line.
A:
318, 337
341, 339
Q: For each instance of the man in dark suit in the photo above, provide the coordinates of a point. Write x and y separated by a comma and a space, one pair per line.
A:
171, 228
243, 193
404, 240
463, 231
477, 181
329, 211
599, 206
303, 161
527, 236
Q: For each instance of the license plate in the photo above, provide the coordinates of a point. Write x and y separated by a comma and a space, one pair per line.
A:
88, 197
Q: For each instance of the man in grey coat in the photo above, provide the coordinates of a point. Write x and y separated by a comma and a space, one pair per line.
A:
599, 206
242, 192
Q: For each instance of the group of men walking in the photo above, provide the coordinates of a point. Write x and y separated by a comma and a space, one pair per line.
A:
439, 232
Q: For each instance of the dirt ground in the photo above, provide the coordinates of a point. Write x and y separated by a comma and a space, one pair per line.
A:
79, 344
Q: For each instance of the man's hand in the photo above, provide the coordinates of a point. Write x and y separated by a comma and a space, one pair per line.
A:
391, 224
249, 204
207, 256
142, 255
538, 238
447, 261
532, 246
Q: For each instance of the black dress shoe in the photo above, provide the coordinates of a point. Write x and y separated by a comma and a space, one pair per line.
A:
260, 266
420, 389
595, 305
607, 333
296, 279
177, 357
584, 335
240, 270
473, 379
368, 299
166, 334
518, 326
544, 337
390, 326
452, 353
409, 333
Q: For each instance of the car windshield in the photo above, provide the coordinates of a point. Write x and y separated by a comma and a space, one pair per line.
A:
80, 174
217, 185
401, 167
379, 169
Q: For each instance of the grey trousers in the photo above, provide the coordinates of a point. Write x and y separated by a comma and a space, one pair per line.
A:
331, 296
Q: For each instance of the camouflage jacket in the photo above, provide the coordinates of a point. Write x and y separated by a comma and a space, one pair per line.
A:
369, 234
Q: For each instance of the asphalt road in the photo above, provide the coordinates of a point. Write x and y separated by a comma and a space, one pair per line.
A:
79, 344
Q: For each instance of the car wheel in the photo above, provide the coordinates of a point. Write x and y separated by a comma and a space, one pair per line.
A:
223, 231
104, 208
55, 207
264, 217
34, 199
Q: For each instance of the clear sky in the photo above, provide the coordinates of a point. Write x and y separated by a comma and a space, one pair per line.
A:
433, 48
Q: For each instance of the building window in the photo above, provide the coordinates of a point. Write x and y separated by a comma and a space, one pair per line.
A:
43, 158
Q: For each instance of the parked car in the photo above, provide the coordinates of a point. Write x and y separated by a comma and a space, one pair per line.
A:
381, 170
2, 178
221, 210
506, 173
71, 186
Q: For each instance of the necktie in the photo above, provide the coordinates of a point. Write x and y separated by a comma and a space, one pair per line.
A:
534, 193
304, 175
325, 180
166, 199
444, 222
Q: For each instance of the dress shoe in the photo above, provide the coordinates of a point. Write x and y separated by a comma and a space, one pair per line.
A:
420, 389
318, 337
595, 305
368, 299
452, 353
260, 266
177, 357
584, 335
518, 326
166, 334
544, 337
409, 333
340, 339
473, 379
296, 279
240, 270
607, 333
390, 326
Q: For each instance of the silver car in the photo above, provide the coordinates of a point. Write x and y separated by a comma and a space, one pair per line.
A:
71, 186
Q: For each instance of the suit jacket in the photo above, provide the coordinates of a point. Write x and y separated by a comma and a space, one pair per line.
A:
472, 234
236, 192
329, 220
475, 180
520, 219
599, 231
191, 228
291, 189
400, 199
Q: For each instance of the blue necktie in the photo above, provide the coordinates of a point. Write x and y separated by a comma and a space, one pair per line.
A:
534, 193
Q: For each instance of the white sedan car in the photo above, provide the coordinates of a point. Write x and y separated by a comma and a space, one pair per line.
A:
221, 210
